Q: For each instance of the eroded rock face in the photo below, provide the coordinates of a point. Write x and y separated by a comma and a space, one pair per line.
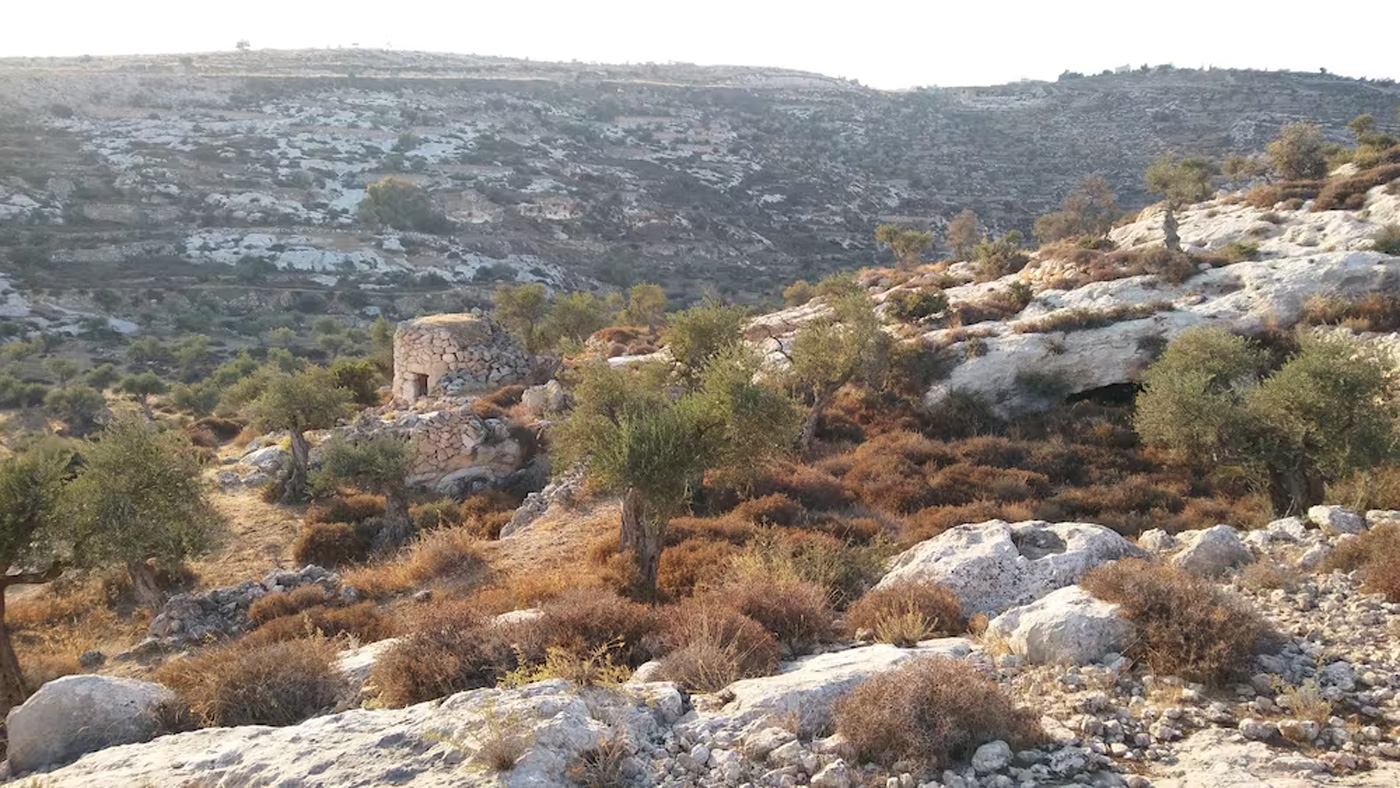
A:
996, 565
1068, 626
74, 715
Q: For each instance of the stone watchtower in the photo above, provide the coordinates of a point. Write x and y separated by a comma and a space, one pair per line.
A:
454, 355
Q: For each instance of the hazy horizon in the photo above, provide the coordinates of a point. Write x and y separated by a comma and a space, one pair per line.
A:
882, 44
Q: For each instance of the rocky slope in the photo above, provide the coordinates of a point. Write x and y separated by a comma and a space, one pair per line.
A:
1107, 721
168, 170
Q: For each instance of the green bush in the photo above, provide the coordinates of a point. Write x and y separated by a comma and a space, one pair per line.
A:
1387, 240
914, 305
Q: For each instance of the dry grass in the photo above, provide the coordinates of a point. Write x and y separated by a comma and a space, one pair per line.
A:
270, 684
1186, 626
711, 645
1350, 193
1085, 319
894, 614
601, 766
449, 557
289, 603
1373, 312
1305, 702
930, 711
362, 622
346, 509
1267, 575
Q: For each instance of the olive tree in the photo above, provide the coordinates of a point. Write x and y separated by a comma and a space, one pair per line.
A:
646, 305
574, 317
140, 496
381, 464
696, 335
306, 400
963, 234
31, 485
1181, 182
907, 244
521, 309
1299, 152
638, 437
141, 387
1327, 412
1088, 209
846, 347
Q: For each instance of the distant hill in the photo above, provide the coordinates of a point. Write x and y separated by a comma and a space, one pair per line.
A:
734, 179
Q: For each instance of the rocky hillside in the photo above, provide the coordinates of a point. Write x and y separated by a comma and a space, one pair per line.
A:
166, 170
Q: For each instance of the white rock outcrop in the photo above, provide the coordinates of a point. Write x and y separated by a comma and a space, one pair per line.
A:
996, 565
808, 688
1069, 626
74, 715
431, 744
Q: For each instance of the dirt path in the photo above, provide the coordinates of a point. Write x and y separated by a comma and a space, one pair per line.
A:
258, 539
558, 541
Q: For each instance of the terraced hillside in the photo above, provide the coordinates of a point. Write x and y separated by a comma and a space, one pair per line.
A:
239, 174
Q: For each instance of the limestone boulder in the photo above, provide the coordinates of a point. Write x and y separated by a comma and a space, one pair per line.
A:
1069, 626
74, 715
1336, 520
431, 744
1379, 517
1212, 551
996, 565
808, 688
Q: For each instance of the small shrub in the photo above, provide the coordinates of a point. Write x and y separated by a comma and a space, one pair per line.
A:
936, 607
1387, 240
347, 509
797, 612
451, 648
691, 565
362, 621
267, 684
930, 711
591, 669
912, 306
711, 645
773, 509
1350, 193
583, 620
1085, 319
1266, 575
813, 489
602, 766
1269, 195
330, 544
1376, 553
1239, 251
449, 554
288, 603
1186, 627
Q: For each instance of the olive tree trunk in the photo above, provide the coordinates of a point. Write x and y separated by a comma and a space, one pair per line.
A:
814, 415
295, 490
397, 527
13, 687
1293, 490
143, 585
641, 537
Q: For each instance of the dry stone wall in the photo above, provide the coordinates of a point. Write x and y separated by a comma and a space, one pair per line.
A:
457, 450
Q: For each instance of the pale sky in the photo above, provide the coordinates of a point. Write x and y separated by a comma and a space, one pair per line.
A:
883, 44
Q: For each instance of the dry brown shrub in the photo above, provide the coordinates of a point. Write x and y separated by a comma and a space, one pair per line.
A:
693, 564
961, 484
202, 437
798, 612
1186, 626
1376, 489
363, 622
1267, 575
330, 544
814, 490
930, 711
346, 509
888, 472
585, 620
287, 603
1350, 193
852, 530
268, 684
223, 429
709, 645
994, 450
773, 509
727, 528
601, 766
1378, 312
1376, 553
938, 606
452, 647
1269, 195
449, 556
